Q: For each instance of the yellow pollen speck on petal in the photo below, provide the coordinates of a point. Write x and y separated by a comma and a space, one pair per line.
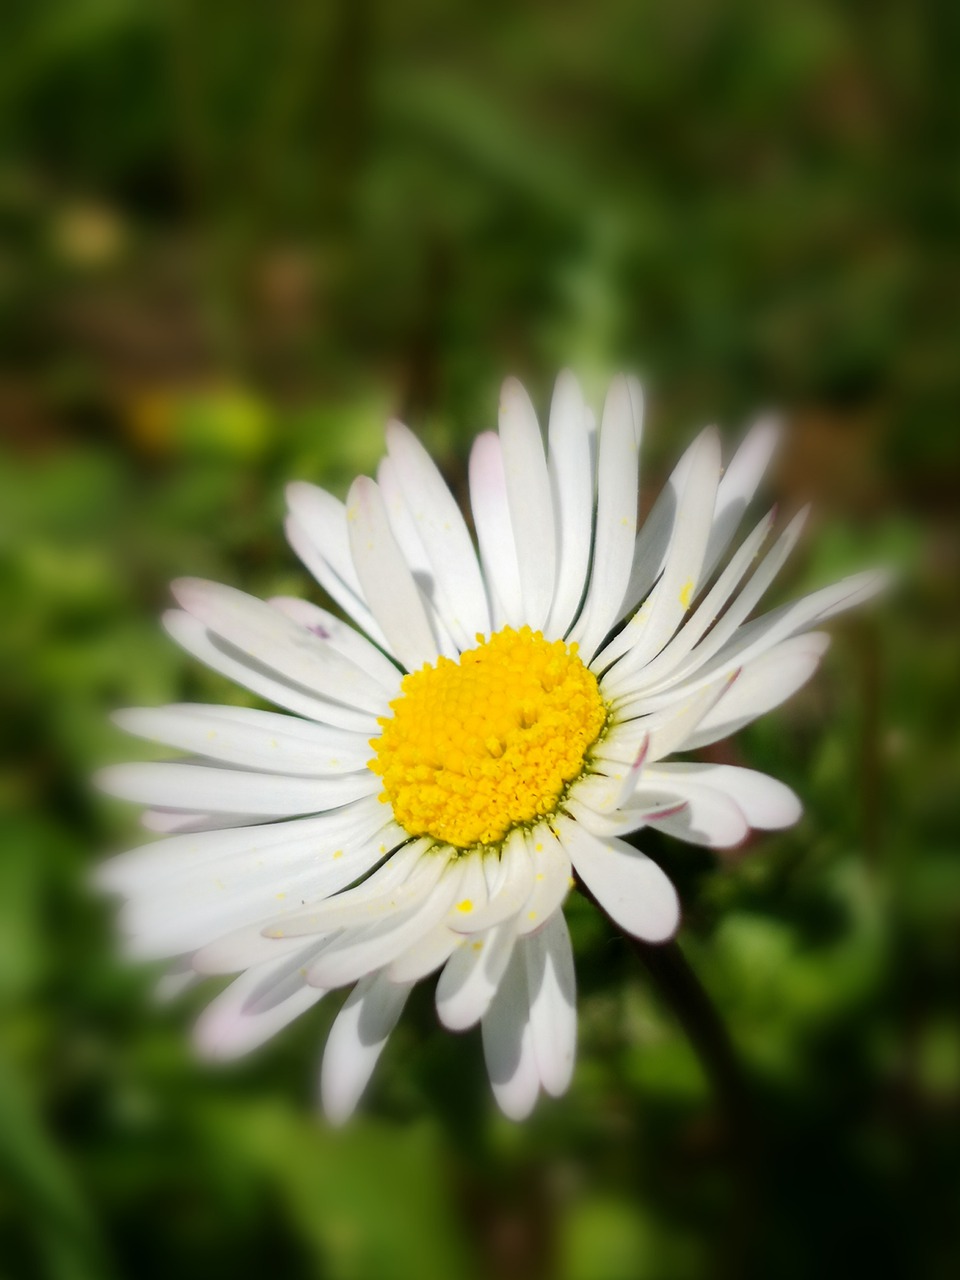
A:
478, 746
465, 906
531, 915
478, 945
686, 593
338, 854
539, 876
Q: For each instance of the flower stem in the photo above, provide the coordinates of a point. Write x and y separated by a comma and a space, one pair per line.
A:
685, 995
682, 990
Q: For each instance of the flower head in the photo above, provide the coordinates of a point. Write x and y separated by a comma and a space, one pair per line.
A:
433, 788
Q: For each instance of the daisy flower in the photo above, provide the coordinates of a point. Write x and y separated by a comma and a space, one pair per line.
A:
438, 779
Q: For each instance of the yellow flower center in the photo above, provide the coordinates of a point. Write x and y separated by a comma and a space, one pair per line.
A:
478, 746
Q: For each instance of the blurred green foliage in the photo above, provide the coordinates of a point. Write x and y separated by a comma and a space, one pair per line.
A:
233, 240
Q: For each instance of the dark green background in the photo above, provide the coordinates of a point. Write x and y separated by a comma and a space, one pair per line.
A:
235, 237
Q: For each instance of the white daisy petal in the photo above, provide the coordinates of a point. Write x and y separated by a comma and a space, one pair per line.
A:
636, 404
672, 656
281, 877
424, 956
258, 740
552, 988
198, 910
324, 518
701, 816
663, 731
572, 479
759, 636
388, 584
256, 1006
616, 531
491, 515
356, 952
317, 531
444, 535
172, 822
659, 616
309, 731
655, 533
141, 870
765, 802
231, 790
404, 881
354, 605
740, 609
530, 501
245, 948
180, 977
756, 637
615, 773
629, 886
411, 544
356, 1040
474, 891
343, 638
762, 685
516, 881
552, 880
738, 486
276, 642
471, 976
628, 817
508, 1043
191, 634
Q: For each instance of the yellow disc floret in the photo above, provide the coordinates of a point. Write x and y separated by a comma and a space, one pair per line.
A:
478, 746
